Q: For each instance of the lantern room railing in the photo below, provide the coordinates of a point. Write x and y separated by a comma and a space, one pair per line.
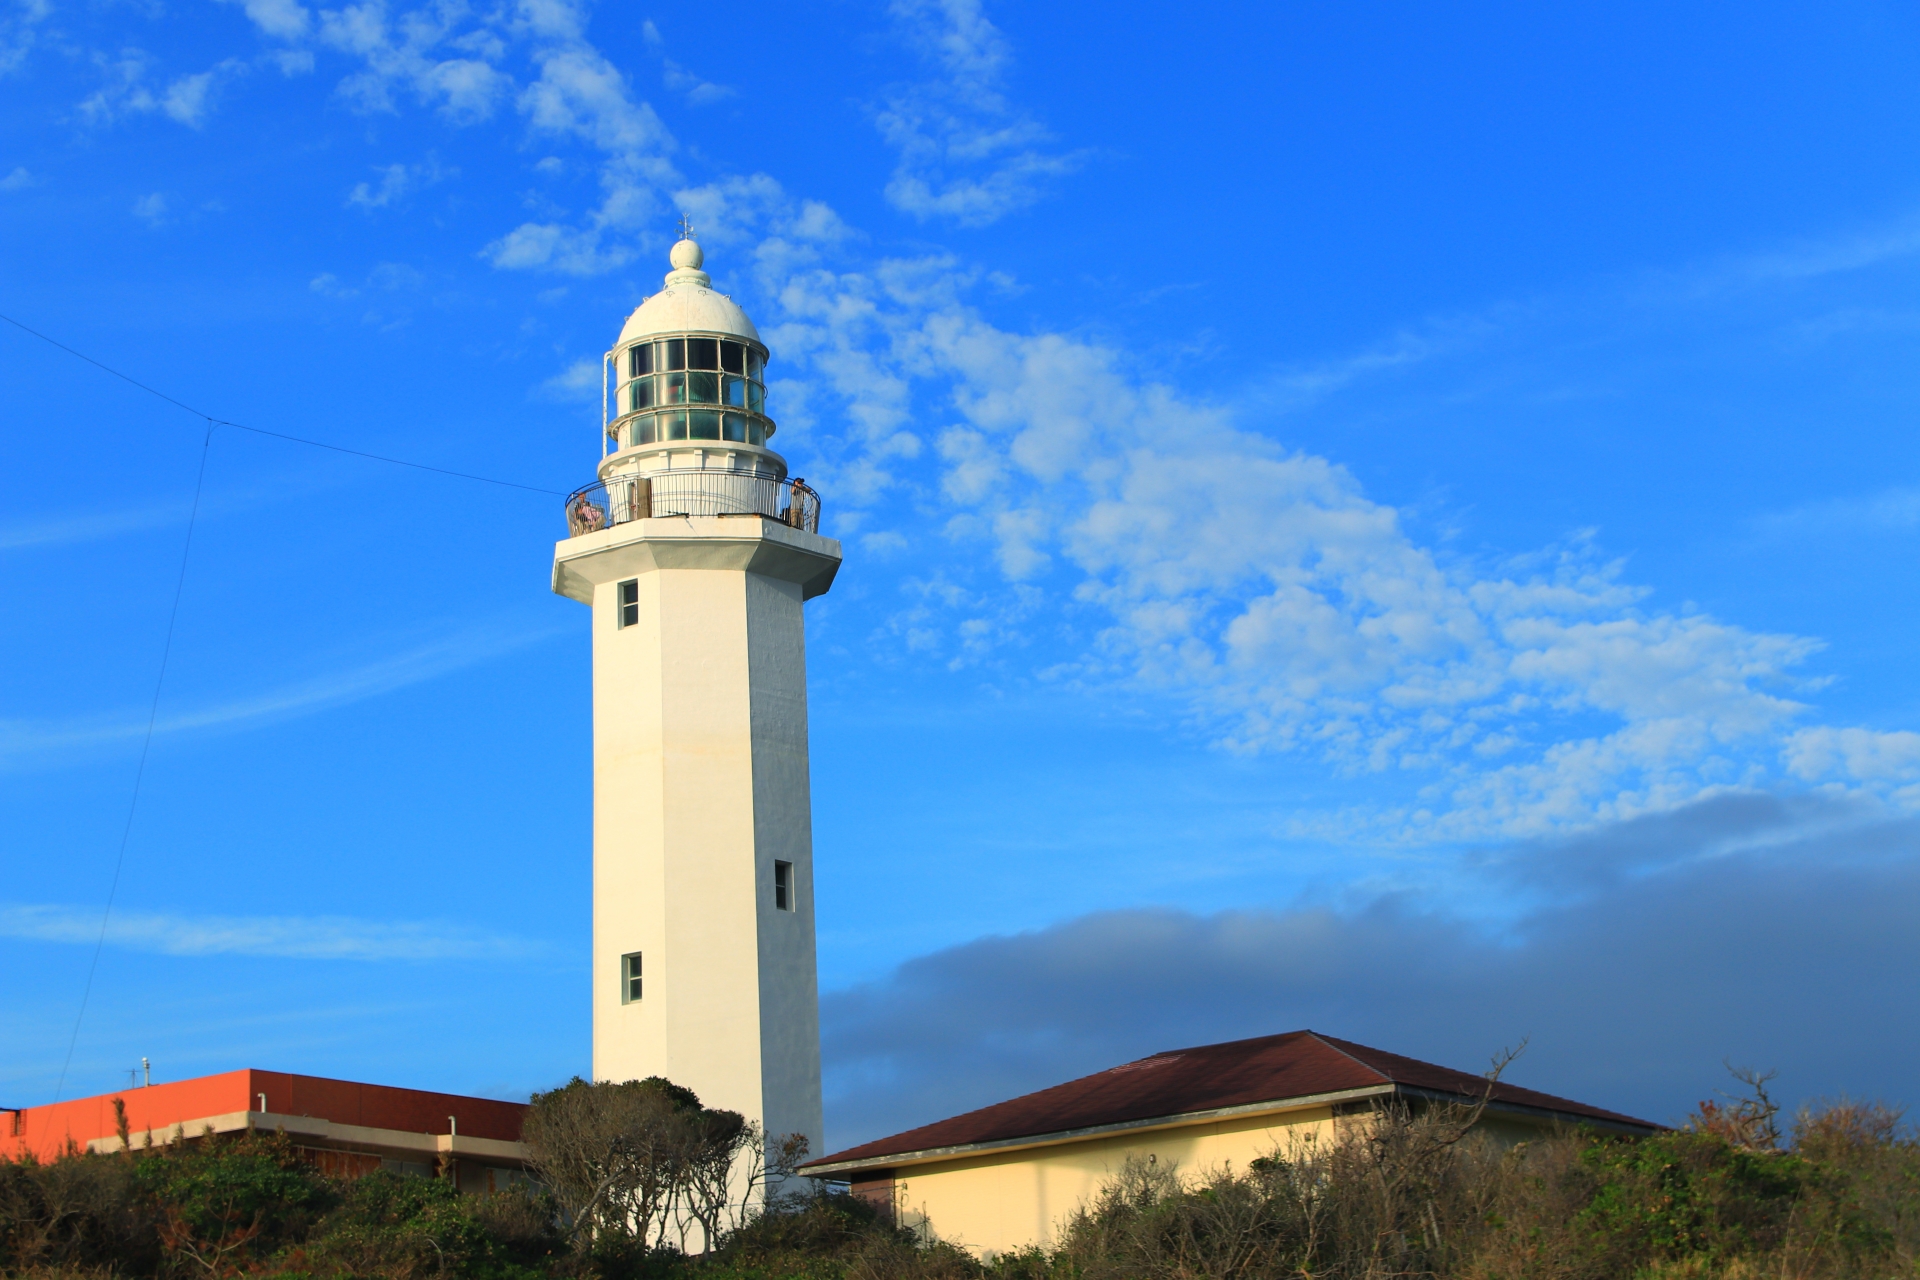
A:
621, 499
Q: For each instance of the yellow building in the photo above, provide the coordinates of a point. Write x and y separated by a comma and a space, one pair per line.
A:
1008, 1176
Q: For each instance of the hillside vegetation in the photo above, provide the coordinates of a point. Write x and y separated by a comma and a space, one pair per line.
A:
1405, 1196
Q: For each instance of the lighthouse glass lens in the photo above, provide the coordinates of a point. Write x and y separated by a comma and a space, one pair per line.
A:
644, 431
736, 390
641, 395
756, 397
703, 388
753, 365
703, 353
673, 389
676, 352
640, 360
706, 424
736, 428
756, 433
733, 357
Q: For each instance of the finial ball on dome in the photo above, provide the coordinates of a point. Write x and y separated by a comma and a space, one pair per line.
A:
686, 255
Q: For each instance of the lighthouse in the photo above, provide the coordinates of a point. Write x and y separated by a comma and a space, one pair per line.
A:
696, 551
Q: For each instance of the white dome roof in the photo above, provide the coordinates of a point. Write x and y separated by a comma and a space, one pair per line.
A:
688, 304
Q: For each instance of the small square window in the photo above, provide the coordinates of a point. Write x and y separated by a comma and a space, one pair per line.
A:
783, 886
630, 603
630, 978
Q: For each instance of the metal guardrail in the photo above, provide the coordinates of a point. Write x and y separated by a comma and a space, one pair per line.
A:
605, 503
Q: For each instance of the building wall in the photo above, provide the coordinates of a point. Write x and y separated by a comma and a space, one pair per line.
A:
47, 1131
998, 1203
700, 784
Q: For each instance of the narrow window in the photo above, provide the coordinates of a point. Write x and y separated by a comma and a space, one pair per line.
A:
630, 978
703, 353
706, 424
630, 603
703, 388
676, 353
733, 357
640, 360
783, 886
735, 428
641, 394
675, 392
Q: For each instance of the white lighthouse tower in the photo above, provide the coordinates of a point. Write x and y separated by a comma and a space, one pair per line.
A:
695, 551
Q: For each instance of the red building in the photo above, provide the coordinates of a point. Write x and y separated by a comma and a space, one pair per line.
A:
343, 1127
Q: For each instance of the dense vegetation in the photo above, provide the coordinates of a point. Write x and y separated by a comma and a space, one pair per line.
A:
1407, 1195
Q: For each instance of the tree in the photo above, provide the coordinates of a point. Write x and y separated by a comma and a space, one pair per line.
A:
643, 1163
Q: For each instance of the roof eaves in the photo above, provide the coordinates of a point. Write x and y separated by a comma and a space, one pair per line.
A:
1626, 1124
829, 1167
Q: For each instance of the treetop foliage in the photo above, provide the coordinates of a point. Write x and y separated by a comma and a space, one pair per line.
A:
1397, 1193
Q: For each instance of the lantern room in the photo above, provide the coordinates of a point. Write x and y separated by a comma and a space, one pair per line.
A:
689, 368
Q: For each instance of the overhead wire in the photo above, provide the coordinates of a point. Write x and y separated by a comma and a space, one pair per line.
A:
262, 431
140, 772
173, 617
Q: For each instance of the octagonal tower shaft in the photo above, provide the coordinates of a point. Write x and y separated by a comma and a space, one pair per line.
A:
696, 556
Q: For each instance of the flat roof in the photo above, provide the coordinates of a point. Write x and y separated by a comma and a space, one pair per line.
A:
276, 1098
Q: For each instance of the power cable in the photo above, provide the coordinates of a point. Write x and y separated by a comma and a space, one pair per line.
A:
146, 745
262, 431
173, 616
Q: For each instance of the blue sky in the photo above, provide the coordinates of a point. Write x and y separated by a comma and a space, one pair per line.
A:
1384, 520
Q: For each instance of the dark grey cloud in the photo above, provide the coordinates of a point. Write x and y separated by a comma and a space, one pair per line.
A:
1798, 949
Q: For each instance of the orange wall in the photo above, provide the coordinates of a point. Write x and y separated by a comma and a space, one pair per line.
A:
45, 1131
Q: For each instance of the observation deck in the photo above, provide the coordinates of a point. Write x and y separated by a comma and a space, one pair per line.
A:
690, 491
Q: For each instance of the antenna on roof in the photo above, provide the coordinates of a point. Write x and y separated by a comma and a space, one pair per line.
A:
686, 228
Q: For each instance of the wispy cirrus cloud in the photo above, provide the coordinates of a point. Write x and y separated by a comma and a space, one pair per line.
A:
397, 181
28, 743
967, 153
283, 937
1174, 544
126, 90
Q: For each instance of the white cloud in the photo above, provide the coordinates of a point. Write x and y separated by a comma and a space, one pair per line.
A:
578, 382
151, 207
19, 23
281, 19
186, 99
280, 937
26, 743
1888, 511
1258, 585
18, 180
328, 285
424, 54
396, 182
698, 92
966, 154
64, 531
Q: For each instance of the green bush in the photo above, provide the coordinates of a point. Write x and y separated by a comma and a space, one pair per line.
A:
1398, 1194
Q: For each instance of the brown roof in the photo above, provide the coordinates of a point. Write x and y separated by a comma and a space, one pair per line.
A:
1213, 1077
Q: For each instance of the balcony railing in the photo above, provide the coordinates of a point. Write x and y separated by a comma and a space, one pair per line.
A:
603, 503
